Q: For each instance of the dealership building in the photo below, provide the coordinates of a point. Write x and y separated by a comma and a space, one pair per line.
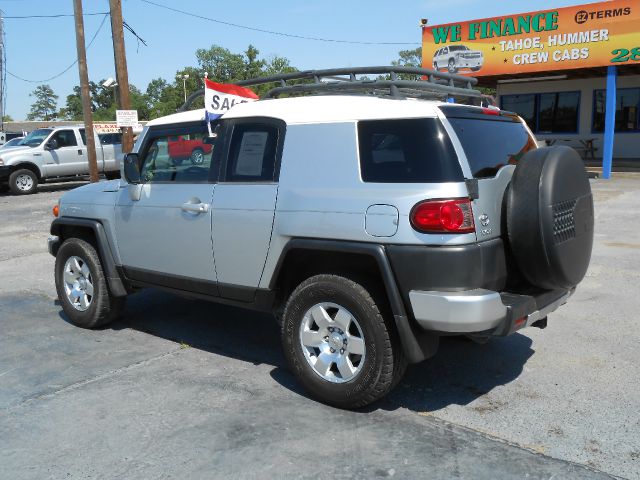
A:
573, 74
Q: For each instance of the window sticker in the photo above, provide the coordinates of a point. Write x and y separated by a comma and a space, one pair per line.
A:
251, 154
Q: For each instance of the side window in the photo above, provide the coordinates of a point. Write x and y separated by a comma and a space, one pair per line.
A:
252, 153
65, 138
83, 135
407, 151
163, 162
110, 138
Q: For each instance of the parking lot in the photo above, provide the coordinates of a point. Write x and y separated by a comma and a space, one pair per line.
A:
187, 389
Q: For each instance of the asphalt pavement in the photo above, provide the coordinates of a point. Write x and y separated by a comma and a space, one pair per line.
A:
188, 389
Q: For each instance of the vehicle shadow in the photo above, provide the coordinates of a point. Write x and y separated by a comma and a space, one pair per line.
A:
461, 371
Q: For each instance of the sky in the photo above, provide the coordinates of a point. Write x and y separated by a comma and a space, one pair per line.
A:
41, 48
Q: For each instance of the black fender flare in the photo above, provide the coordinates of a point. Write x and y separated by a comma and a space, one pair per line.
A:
417, 344
114, 280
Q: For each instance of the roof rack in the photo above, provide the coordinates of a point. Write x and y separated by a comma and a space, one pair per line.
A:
434, 84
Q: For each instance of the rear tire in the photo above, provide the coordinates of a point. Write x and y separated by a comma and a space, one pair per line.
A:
82, 287
23, 182
338, 344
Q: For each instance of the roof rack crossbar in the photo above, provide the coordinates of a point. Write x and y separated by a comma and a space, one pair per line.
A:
342, 79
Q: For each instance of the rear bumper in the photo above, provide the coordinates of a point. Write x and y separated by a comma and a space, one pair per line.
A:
483, 311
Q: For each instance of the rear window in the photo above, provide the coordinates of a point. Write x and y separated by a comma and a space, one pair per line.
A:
491, 144
407, 151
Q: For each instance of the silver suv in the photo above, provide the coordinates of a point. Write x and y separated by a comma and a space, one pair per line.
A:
371, 225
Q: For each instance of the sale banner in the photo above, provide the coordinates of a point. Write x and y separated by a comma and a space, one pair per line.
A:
591, 35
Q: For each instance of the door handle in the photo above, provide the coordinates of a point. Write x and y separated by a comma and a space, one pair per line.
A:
195, 207
79, 151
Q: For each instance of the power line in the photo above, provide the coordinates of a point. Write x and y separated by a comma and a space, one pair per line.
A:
54, 16
271, 32
70, 66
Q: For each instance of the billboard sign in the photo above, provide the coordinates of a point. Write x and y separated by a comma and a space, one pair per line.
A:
592, 35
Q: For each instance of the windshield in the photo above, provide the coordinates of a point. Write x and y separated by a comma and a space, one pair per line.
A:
36, 137
13, 142
457, 48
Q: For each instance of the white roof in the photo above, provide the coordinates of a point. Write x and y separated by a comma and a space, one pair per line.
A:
181, 117
318, 109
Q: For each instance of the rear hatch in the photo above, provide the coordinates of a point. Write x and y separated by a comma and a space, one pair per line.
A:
492, 141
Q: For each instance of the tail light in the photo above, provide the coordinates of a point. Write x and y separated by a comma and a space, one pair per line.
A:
443, 216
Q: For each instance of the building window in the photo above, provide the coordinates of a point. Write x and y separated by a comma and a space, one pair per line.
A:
523, 105
555, 112
627, 110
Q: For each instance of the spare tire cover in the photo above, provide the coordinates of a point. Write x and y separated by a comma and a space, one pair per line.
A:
550, 217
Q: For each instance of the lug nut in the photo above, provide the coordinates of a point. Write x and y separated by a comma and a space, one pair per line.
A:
331, 329
326, 337
342, 350
332, 350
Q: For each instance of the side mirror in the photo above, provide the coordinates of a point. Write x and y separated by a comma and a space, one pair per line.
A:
131, 168
51, 144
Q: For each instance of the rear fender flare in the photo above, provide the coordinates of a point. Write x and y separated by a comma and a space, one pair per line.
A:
417, 345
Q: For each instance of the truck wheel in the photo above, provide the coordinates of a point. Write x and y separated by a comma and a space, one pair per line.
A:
82, 287
23, 182
338, 344
197, 156
452, 66
550, 217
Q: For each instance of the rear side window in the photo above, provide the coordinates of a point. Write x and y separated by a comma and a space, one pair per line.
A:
407, 151
491, 144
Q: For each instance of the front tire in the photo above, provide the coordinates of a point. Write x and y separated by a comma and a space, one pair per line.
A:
452, 66
197, 156
23, 182
82, 287
338, 344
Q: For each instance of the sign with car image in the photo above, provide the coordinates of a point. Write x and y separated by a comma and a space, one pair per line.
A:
582, 36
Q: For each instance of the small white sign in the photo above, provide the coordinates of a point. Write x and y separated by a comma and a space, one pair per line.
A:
126, 118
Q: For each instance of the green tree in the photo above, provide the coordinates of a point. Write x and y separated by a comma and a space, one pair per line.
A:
409, 58
7, 118
221, 65
44, 108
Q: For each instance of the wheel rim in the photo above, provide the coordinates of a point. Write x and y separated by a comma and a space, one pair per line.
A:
24, 182
452, 66
197, 157
332, 342
78, 283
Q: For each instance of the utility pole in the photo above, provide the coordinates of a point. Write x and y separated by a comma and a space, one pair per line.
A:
2, 67
122, 77
84, 89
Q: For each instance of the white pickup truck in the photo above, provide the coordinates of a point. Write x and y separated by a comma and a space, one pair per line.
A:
56, 153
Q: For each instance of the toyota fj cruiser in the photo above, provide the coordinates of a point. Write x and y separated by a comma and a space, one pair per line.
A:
370, 224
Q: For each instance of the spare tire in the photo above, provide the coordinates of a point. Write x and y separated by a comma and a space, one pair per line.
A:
550, 217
